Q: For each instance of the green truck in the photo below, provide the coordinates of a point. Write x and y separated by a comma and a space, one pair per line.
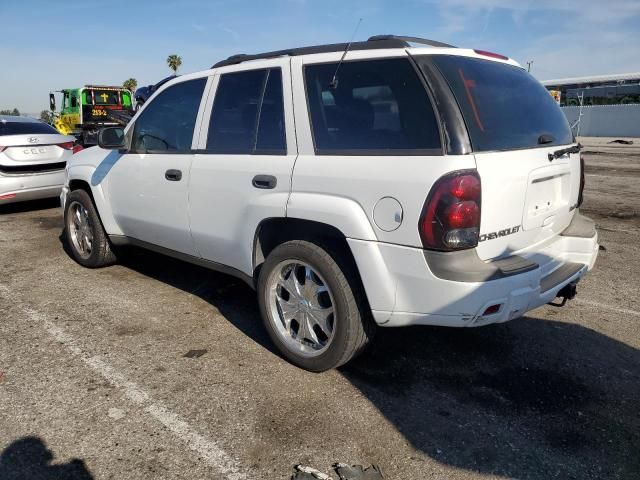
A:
87, 109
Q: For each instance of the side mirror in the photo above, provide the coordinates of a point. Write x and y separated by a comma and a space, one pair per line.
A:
112, 138
52, 102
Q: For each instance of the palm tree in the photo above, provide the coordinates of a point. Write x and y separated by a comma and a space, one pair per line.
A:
130, 84
174, 62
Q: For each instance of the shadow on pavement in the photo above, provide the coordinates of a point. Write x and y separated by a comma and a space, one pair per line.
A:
529, 399
28, 458
231, 296
30, 206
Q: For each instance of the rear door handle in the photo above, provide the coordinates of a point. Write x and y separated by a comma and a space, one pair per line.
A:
264, 181
173, 175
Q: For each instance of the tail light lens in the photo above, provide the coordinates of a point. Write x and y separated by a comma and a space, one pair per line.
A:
66, 145
450, 217
484, 53
77, 148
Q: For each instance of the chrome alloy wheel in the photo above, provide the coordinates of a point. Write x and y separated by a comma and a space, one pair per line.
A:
80, 229
301, 308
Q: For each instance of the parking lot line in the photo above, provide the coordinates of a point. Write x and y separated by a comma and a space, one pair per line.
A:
206, 448
608, 307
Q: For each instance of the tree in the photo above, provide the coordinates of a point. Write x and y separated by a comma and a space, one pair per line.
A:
46, 116
174, 62
130, 84
15, 112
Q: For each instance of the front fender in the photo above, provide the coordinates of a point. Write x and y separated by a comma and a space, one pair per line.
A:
87, 174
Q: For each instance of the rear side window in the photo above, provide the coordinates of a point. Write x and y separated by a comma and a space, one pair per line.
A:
248, 114
166, 125
504, 107
25, 128
378, 107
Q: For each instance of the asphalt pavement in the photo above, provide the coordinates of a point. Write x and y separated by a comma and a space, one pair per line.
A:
95, 384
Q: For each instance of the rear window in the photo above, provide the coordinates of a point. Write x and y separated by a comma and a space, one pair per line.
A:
504, 107
105, 97
378, 107
24, 128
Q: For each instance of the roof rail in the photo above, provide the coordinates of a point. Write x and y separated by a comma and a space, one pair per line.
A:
373, 43
421, 41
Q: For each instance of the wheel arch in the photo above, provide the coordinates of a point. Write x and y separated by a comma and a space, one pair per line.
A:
275, 231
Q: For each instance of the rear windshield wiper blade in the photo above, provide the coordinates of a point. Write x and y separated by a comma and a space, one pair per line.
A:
546, 138
564, 151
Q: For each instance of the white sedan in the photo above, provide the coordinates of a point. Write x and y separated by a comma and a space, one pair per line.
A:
33, 156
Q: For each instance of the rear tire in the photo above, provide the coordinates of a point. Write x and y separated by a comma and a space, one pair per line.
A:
313, 306
84, 233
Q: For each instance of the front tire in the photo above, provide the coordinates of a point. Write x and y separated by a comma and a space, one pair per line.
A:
313, 307
84, 234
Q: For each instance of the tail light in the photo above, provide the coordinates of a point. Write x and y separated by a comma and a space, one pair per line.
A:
66, 145
77, 148
484, 53
450, 217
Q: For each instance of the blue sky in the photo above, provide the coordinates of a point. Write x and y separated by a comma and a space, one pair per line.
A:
49, 45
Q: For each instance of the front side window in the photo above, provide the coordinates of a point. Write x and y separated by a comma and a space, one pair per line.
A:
248, 114
167, 123
376, 107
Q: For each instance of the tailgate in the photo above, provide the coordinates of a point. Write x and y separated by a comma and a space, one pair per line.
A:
526, 199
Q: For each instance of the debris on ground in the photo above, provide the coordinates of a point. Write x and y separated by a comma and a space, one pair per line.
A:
308, 473
622, 142
344, 471
194, 353
602, 248
358, 472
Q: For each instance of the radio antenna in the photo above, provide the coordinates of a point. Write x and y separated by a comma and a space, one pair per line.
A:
334, 80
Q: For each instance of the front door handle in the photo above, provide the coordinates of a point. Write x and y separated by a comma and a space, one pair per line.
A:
264, 181
173, 175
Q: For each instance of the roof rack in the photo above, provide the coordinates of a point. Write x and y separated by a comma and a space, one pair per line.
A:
408, 40
373, 43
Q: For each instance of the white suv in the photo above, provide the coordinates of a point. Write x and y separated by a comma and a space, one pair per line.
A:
397, 185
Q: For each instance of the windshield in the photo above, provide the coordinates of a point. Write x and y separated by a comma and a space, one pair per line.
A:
25, 128
504, 107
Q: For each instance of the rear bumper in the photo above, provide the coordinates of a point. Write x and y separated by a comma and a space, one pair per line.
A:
405, 288
20, 188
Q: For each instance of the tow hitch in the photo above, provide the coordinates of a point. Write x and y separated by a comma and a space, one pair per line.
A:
568, 292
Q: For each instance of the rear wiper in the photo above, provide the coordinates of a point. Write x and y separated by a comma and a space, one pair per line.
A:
564, 151
546, 138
